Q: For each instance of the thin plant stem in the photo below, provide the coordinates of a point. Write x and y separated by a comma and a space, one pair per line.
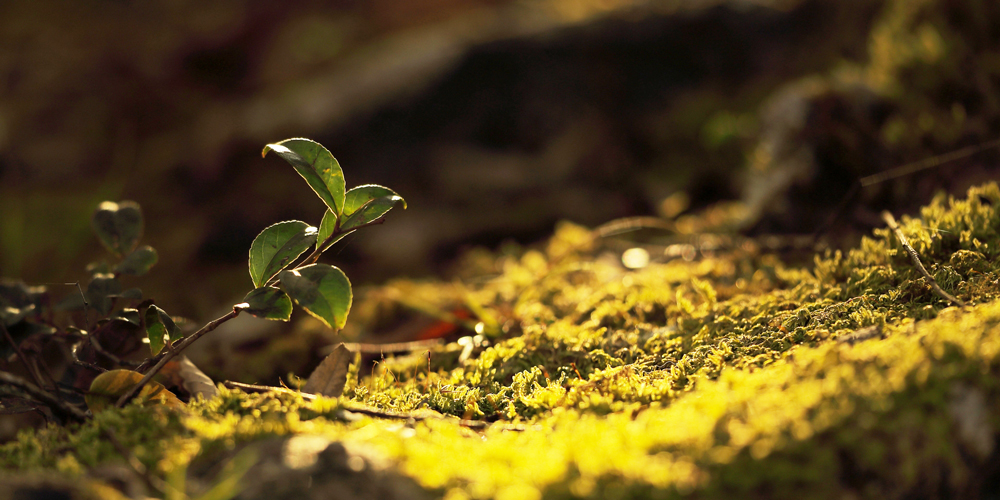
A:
395, 347
927, 163
175, 349
20, 354
318, 251
253, 388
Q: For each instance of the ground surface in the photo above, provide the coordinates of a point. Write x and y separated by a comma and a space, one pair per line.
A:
728, 375
711, 366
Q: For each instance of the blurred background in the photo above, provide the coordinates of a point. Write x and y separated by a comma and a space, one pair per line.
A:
495, 119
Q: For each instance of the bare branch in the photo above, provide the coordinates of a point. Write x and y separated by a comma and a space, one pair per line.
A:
20, 354
41, 395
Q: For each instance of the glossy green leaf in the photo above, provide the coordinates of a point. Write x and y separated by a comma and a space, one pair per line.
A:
371, 211
118, 225
269, 303
317, 166
276, 247
358, 198
322, 290
138, 262
160, 329
113, 384
360, 195
326, 228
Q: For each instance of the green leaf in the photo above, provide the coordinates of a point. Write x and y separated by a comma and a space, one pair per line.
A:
128, 314
355, 199
276, 247
118, 226
371, 211
98, 267
269, 303
138, 262
71, 302
317, 166
102, 291
322, 290
160, 329
326, 227
113, 384
360, 195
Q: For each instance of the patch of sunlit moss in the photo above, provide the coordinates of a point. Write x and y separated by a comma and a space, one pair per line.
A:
811, 423
720, 378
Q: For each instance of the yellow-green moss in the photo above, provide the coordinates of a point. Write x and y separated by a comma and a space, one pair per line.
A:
720, 378
732, 376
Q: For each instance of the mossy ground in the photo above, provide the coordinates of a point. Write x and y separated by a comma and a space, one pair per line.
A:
734, 375
726, 376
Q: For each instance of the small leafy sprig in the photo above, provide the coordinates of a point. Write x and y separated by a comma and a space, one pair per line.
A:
284, 269
322, 290
279, 273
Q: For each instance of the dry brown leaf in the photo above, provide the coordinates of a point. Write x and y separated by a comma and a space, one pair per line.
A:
194, 381
329, 378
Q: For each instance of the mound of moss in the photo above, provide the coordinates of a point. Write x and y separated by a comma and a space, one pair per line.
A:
729, 375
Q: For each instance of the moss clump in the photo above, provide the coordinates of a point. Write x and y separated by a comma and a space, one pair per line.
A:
728, 376
597, 337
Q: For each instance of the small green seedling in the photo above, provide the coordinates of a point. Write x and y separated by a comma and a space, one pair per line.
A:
321, 289
279, 272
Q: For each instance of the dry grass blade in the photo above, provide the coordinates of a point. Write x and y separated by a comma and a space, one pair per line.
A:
926, 163
891, 222
262, 389
395, 347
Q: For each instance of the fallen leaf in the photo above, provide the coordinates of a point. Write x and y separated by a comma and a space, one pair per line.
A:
329, 378
111, 385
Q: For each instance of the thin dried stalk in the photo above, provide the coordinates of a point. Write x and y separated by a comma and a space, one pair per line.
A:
175, 349
891, 222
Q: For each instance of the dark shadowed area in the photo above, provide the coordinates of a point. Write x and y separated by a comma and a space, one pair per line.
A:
494, 119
